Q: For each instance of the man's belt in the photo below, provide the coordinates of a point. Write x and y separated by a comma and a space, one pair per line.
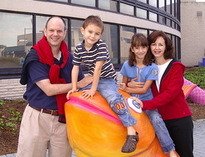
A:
48, 111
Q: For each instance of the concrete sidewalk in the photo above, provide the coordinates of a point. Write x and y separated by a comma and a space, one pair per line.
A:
199, 139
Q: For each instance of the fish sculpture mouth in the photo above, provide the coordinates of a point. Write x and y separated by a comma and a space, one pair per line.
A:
87, 106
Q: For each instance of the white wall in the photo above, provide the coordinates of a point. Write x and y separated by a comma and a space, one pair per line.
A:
192, 32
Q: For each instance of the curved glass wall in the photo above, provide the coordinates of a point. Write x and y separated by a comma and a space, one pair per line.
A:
20, 30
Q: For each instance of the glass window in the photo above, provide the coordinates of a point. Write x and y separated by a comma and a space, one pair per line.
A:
141, 13
178, 27
173, 24
108, 5
90, 3
150, 31
110, 36
161, 4
60, 0
153, 3
161, 19
168, 6
16, 38
173, 8
143, 31
76, 36
168, 22
177, 14
126, 34
40, 25
152, 16
126, 9
177, 48
174, 45
144, 1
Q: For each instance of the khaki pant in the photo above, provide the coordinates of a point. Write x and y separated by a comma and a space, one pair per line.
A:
40, 132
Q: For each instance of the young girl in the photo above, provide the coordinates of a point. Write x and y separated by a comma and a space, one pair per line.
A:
94, 54
140, 68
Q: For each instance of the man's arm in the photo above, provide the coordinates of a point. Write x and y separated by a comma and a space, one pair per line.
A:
54, 89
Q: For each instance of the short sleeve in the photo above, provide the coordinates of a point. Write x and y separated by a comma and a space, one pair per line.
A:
123, 70
102, 52
38, 71
76, 57
153, 73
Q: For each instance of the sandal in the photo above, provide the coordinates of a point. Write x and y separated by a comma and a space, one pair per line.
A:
130, 144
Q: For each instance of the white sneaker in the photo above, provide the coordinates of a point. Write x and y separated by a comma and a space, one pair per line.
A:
134, 105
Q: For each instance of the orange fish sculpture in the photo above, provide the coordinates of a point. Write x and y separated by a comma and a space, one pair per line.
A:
94, 130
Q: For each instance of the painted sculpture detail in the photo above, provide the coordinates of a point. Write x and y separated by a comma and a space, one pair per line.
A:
95, 131
196, 94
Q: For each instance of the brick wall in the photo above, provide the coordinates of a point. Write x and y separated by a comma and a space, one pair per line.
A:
11, 89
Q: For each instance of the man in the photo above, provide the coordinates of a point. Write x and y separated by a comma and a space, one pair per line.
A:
47, 73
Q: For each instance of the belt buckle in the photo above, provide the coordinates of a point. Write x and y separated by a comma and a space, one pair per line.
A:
52, 112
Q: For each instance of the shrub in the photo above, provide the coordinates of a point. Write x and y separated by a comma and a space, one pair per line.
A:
196, 75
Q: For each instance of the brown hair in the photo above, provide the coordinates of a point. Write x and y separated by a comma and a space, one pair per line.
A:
95, 20
138, 40
169, 50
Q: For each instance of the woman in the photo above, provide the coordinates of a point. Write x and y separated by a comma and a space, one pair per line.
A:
168, 95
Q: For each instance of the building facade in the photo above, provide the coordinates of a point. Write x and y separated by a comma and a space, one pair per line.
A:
22, 23
193, 32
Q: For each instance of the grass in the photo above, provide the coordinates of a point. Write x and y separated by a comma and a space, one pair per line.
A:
196, 75
10, 115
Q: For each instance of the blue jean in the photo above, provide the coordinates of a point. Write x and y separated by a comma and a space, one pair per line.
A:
109, 90
161, 130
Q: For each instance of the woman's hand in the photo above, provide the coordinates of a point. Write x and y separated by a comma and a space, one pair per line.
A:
71, 91
138, 101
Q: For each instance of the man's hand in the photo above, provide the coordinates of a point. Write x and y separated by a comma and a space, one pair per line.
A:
69, 92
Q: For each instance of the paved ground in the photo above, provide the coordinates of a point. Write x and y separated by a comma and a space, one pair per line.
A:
199, 139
